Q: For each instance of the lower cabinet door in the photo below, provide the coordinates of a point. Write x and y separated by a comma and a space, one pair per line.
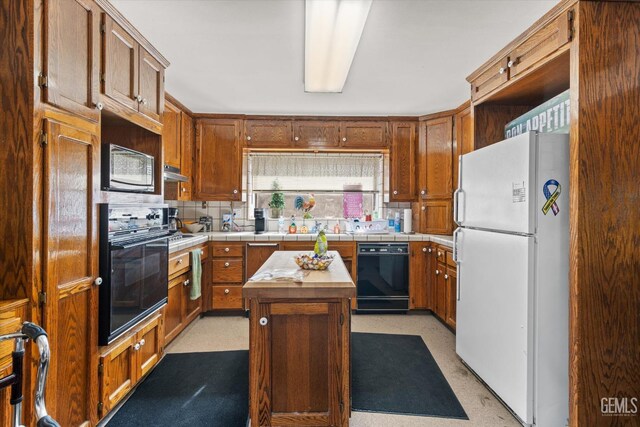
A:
118, 374
148, 347
173, 310
452, 297
440, 291
299, 369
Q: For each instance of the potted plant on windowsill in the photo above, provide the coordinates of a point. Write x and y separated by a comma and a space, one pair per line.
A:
277, 200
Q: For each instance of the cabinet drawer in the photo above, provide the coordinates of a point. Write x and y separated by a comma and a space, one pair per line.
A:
205, 252
227, 270
227, 297
541, 44
226, 250
450, 261
179, 263
492, 78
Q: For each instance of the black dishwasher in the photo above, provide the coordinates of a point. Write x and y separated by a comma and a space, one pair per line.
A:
383, 277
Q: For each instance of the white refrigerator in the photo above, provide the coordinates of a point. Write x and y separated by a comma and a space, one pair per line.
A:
512, 252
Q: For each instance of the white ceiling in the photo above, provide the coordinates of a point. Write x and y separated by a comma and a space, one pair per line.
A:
247, 56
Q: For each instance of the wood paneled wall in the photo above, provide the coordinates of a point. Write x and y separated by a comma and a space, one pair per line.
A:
605, 211
16, 149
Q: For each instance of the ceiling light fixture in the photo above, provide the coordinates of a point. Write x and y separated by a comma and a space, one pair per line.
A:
332, 33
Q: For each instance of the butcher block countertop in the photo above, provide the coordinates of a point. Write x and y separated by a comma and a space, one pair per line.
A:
335, 282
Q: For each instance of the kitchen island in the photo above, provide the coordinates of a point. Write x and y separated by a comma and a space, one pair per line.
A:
299, 346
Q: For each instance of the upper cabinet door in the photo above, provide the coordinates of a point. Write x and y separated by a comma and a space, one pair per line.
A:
120, 65
316, 134
186, 157
267, 133
71, 56
403, 161
490, 79
218, 165
439, 150
464, 139
363, 135
171, 122
151, 83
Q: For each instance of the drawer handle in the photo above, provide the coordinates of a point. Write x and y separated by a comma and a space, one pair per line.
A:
186, 282
502, 70
344, 139
263, 321
226, 264
98, 281
248, 138
226, 291
297, 139
424, 249
395, 192
142, 342
226, 249
180, 260
136, 346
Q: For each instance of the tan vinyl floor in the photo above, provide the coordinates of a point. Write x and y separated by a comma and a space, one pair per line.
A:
232, 333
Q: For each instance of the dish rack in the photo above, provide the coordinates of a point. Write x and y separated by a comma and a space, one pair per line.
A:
377, 226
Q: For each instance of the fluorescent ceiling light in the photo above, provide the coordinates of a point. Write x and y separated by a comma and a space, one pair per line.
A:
332, 32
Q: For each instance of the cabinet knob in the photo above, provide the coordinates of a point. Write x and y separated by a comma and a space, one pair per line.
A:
226, 291
248, 138
226, 264
437, 272
180, 260
429, 250
139, 98
296, 139
184, 189
186, 282
423, 192
424, 249
99, 106
446, 277
512, 62
142, 342
136, 346
344, 139
144, 101
502, 70
395, 192
226, 249
263, 321
424, 208
439, 253
235, 191
98, 281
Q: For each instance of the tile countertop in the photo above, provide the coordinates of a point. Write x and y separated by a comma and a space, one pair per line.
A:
188, 242
250, 236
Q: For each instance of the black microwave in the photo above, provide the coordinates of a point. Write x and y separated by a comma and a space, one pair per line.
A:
124, 169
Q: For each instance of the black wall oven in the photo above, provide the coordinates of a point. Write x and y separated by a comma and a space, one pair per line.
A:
383, 277
134, 253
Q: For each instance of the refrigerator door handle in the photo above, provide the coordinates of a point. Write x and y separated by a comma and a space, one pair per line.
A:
455, 206
457, 260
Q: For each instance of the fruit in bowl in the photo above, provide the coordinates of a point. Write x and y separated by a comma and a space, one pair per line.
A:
310, 261
194, 227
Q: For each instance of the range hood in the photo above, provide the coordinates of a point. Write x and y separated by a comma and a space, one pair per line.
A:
172, 174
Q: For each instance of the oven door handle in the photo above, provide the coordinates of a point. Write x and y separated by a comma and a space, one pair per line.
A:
133, 245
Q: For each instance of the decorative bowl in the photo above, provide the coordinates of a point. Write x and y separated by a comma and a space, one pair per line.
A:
194, 227
312, 262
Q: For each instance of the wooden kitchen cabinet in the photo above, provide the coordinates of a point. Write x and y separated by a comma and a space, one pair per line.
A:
173, 317
124, 363
443, 277
420, 283
451, 293
70, 79
403, 162
72, 167
464, 137
435, 216
187, 137
171, 135
439, 154
364, 134
492, 78
316, 134
268, 133
131, 76
257, 254
440, 294
227, 276
218, 160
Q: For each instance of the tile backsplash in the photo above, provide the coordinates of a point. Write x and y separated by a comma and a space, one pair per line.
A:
192, 211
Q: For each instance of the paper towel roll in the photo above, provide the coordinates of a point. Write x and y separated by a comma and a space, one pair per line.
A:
407, 221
